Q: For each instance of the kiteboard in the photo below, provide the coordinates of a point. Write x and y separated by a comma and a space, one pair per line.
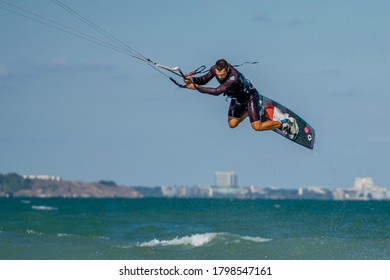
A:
272, 110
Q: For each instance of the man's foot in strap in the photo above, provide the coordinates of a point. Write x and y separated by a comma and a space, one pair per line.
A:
290, 128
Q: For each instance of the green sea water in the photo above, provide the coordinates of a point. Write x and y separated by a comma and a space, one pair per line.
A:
203, 229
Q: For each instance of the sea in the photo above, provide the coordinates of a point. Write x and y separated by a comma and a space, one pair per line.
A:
193, 229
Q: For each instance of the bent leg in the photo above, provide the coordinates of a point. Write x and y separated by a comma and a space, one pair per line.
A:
254, 115
267, 125
234, 122
237, 113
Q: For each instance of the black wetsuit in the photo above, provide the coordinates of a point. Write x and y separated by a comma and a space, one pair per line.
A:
245, 97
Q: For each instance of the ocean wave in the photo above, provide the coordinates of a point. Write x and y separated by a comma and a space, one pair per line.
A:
255, 239
72, 235
43, 208
65, 235
103, 237
30, 231
197, 240
194, 240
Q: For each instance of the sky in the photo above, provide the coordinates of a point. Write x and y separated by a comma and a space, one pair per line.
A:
72, 108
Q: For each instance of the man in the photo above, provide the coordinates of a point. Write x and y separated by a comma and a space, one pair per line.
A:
244, 98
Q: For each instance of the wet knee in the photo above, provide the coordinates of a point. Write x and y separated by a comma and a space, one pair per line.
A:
258, 126
233, 123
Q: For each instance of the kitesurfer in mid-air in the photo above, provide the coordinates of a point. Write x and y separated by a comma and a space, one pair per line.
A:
245, 99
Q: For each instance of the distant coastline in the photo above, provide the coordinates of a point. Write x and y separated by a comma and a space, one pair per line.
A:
15, 185
42, 186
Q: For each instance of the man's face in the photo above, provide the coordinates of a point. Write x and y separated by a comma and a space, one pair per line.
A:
221, 75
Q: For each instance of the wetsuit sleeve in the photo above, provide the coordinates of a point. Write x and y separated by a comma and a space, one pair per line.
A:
202, 80
213, 91
199, 81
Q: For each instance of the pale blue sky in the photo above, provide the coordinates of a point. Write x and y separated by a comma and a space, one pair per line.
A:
72, 108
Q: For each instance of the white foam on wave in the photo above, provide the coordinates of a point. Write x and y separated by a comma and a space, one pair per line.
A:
30, 231
60, 234
255, 239
103, 237
195, 240
72, 235
43, 208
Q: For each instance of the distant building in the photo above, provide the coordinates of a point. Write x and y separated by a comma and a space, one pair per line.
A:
42, 177
366, 189
226, 179
364, 184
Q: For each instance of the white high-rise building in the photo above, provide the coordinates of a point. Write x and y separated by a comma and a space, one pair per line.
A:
364, 184
226, 179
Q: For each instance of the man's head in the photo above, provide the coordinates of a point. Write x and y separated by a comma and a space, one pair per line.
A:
221, 69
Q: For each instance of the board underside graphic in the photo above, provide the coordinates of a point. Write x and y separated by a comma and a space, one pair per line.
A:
272, 110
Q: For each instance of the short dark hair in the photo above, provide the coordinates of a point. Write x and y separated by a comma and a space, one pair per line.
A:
221, 64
